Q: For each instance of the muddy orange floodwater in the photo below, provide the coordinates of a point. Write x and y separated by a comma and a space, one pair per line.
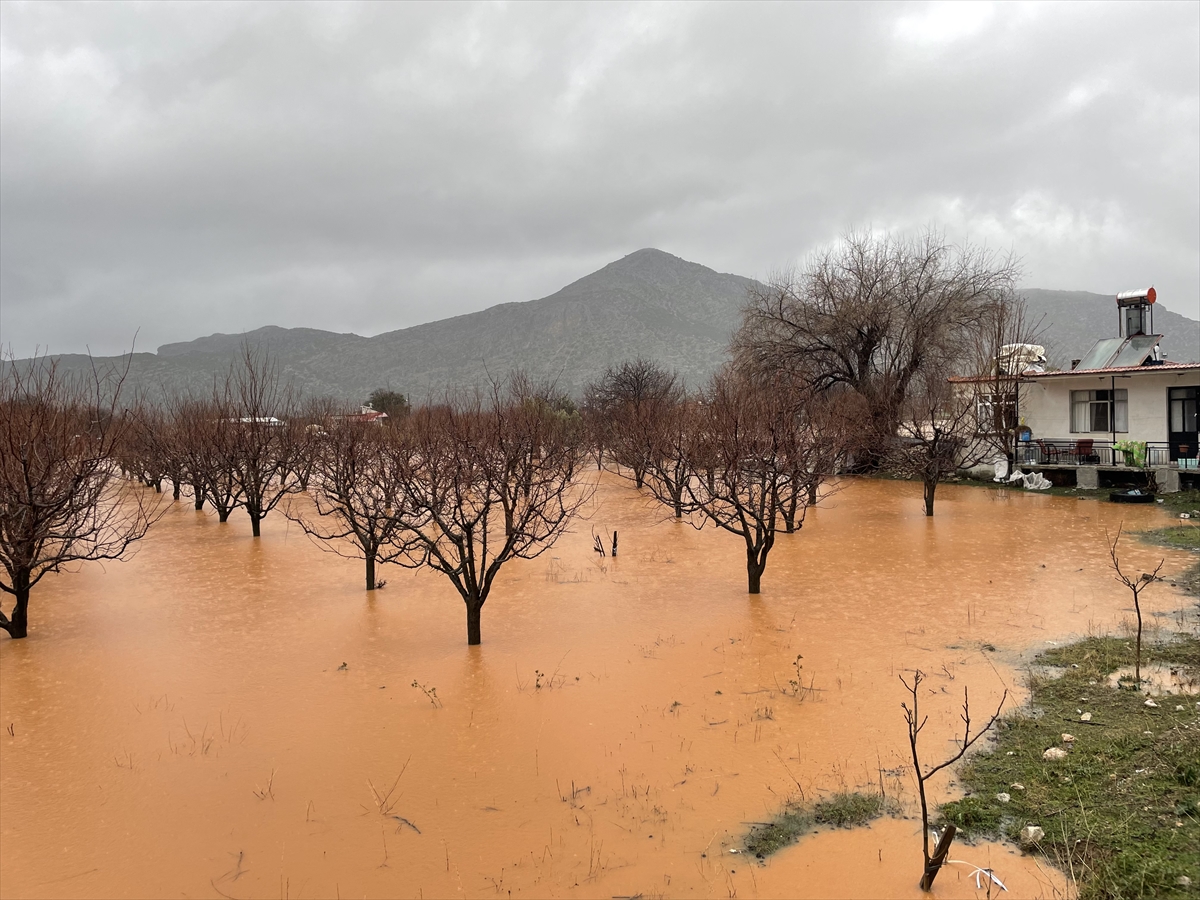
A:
229, 717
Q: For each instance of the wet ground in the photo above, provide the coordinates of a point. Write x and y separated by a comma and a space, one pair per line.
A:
221, 716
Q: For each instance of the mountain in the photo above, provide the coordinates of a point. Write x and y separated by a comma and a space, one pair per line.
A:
649, 304
1072, 321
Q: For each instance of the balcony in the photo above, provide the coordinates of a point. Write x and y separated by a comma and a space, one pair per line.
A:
1108, 454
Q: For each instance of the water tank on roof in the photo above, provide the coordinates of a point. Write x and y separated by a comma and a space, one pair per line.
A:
1137, 298
1134, 308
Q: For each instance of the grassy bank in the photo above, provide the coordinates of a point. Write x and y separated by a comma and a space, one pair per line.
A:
844, 810
1121, 811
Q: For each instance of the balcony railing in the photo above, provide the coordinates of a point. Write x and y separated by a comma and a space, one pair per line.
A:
1088, 452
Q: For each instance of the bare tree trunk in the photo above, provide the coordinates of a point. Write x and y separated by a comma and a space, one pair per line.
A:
370, 571
930, 488
176, 486
474, 637
255, 523
789, 513
18, 625
198, 496
754, 569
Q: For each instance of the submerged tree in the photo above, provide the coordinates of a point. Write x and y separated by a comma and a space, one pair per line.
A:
759, 451
486, 483
916, 723
629, 402
60, 499
263, 454
358, 507
960, 412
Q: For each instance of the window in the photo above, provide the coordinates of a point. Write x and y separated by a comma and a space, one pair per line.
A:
995, 413
1099, 411
1183, 409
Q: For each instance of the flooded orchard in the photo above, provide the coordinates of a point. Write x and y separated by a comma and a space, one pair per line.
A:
225, 716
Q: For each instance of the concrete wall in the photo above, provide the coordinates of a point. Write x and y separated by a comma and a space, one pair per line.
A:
1045, 404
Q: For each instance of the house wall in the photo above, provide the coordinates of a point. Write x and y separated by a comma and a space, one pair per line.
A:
1045, 403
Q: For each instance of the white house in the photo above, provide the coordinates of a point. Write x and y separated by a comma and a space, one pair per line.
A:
1123, 405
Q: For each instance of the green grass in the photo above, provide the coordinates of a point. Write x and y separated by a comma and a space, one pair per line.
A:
1110, 808
848, 809
1181, 537
1181, 501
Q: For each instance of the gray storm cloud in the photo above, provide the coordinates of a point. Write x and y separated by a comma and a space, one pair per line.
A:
184, 169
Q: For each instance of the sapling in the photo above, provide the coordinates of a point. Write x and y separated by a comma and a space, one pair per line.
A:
1136, 586
934, 861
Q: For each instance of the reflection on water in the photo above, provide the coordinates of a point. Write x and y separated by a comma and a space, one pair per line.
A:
227, 717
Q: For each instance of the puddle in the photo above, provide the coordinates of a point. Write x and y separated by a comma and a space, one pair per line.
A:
183, 723
1159, 679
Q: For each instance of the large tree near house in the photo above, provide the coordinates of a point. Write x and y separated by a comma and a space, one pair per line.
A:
869, 314
61, 501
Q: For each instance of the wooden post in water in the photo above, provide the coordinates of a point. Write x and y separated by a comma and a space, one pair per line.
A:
614, 553
940, 852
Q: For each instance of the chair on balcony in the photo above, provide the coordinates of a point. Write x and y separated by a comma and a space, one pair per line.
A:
1084, 452
1049, 451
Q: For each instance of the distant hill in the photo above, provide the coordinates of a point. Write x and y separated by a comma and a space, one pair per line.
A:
649, 304
1074, 320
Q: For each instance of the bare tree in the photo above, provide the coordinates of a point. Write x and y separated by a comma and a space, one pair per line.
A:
961, 411
939, 432
260, 450
485, 484
670, 441
358, 508
912, 716
755, 450
60, 499
870, 314
207, 432
1136, 586
631, 400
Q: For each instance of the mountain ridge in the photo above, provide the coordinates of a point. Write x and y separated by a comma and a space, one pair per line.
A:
648, 303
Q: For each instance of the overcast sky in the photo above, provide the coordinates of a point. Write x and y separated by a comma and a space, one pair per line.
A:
185, 169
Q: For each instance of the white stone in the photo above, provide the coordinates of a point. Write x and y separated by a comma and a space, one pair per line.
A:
1055, 753
1086, 717
1003, 797
1068, 738
1183, 881
1152, 704
1031, 834
1017, 786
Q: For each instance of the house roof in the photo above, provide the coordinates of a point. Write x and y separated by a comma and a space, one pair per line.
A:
1119, 370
